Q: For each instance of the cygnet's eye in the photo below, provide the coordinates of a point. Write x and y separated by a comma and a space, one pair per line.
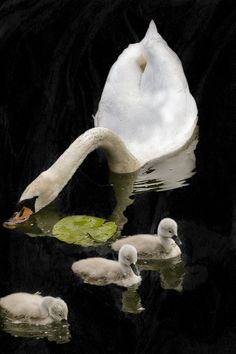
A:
60, 315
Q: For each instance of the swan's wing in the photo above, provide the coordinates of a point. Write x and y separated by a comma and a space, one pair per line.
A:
146, 99
164, 78
163, 69
121, 91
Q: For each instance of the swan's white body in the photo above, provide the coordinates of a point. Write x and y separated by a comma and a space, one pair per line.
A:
146, 111
146, 99
34, 308
102, 271
160, 246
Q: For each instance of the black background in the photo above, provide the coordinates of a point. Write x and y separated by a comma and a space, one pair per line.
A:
54, 59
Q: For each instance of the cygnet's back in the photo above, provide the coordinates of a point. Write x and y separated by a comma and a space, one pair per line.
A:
22, 304
102, 271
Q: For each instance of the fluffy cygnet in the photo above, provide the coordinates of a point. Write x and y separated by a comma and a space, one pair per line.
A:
34, 308
102, 271
163, 245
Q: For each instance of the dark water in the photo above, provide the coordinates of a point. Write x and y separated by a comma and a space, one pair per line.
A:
55, 56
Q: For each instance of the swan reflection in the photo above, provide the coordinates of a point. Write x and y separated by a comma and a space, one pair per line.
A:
167, 173
170, 172
41, 223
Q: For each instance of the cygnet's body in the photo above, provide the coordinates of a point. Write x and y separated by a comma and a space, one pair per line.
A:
160, 246
34, 308
102, 271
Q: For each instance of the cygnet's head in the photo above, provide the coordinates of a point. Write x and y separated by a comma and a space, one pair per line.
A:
128, 256
168, 228
57, 308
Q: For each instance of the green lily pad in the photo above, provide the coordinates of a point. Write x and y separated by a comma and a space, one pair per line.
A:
84, 230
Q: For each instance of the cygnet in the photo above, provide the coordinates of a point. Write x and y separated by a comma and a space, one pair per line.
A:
102, 271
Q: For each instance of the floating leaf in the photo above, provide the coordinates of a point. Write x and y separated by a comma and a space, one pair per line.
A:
84, 230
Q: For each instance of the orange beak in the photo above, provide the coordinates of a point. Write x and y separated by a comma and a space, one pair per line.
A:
18, 218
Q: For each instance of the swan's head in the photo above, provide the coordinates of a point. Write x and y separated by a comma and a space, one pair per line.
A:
39, 193
128, 256
57, 308
168, 228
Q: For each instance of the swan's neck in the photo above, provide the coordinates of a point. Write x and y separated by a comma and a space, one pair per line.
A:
120, 160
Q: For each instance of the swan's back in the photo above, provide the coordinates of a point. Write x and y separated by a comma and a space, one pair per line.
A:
146, 99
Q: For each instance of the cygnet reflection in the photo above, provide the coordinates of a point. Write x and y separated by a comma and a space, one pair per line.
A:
171, 271
55, 332
131, 301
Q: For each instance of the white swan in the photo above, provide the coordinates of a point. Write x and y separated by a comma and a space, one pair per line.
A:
102, 271
160, 246
34, 308
146, 99
146, 111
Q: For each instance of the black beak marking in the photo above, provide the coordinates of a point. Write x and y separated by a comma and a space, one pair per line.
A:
134, 269
29, 203
177, 240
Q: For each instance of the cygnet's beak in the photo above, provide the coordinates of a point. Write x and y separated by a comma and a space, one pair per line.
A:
134, 269
177, 240
18, 217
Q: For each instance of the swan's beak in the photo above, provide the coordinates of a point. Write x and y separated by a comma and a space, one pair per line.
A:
134, 269
177, 240
18, 218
